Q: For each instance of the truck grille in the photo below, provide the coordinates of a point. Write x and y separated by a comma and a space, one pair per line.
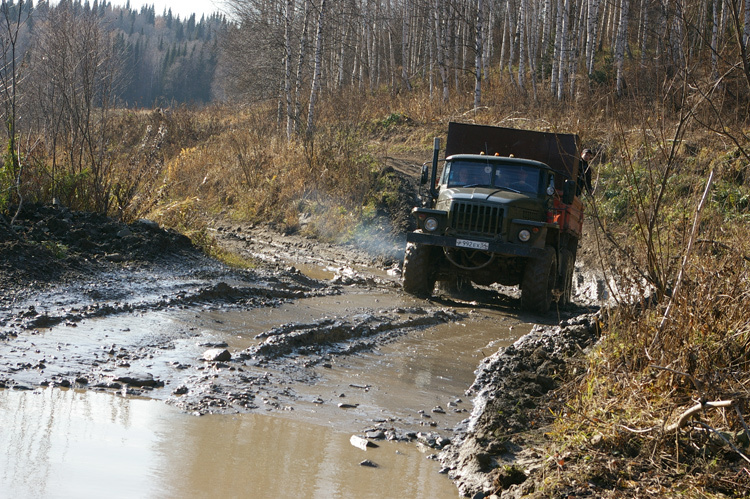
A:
476, 219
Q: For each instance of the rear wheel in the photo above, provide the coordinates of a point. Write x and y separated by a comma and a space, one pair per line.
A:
539, 281
419, 271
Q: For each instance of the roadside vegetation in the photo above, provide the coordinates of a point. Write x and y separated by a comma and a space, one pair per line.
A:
661, 406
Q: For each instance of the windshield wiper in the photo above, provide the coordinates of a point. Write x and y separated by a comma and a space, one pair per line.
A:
498, 189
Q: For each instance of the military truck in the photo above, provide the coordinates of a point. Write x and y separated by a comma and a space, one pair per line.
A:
504, 210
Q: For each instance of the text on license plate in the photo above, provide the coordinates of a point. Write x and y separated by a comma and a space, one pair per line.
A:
464, 243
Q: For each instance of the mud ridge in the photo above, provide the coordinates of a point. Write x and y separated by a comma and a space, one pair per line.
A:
217, 294
313, 337
511, 401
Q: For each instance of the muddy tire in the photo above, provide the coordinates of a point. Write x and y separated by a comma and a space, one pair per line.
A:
538, 282
419, 271
565, 280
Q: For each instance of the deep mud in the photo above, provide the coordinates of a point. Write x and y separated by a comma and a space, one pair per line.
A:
499, 452
61, 271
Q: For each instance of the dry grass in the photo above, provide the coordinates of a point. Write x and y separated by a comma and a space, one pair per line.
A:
623, 428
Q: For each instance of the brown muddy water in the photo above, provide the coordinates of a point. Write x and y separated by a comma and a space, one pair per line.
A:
65, 443
70, 443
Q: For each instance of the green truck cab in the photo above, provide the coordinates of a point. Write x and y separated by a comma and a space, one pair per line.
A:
503, 210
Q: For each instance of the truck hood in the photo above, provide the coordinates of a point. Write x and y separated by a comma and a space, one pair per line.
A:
483, 194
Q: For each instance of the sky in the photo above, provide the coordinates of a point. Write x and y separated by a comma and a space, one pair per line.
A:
183, 8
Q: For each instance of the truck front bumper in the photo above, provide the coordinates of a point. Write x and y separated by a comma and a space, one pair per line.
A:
505, 249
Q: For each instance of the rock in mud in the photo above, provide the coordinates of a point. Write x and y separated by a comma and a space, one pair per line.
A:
217, 355
360, 443
139, 380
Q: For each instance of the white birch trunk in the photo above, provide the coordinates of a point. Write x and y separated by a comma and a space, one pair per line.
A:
301, 64
578, 41
478, 56
438, 16
622, 36
643, 31
715, 41
391, 46
591, 34
533, 46
458, 29
562, 64
615, 23
315, 87
513, 39
488, 50
504, 45
342, 55
546, 26
556, 52
405, 39
288, 20
522, 44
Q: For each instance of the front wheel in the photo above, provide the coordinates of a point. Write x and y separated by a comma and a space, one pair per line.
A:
538, 282
419, 271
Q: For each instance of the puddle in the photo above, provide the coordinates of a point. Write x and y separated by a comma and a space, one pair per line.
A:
65, 443
427, 370
290, 436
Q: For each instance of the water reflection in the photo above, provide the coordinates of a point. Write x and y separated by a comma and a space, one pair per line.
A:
63, 443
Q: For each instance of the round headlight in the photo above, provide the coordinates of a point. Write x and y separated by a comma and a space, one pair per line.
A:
431, 224
524, 235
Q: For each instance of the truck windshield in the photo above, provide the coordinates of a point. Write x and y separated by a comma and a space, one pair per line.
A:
513, 177
518, 178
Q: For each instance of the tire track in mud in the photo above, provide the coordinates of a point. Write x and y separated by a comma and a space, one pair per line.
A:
328, 333
219, 294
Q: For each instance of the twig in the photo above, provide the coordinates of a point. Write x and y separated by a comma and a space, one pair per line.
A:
723, 246
741, 454
633, 430
742, 419
698, 385
683, 419
691, 241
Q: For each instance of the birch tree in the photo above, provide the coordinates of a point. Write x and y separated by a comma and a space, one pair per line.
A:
478, 56
522, 43
557, 48
315, 86
562, 64
10, 175
405, 56
715, 40
288, 19
622, 35
440, 47
301, 55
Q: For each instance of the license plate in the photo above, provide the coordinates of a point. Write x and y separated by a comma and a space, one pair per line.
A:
464, 243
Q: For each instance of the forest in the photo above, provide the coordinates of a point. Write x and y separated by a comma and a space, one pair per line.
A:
71, 69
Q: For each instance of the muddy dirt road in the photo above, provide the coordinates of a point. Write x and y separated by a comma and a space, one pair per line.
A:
315, 332
209, 339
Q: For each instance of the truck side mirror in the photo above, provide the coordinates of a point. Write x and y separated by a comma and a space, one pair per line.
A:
569, 191
425, 174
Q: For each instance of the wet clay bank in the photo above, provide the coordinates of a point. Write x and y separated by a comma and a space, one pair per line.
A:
134, 309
